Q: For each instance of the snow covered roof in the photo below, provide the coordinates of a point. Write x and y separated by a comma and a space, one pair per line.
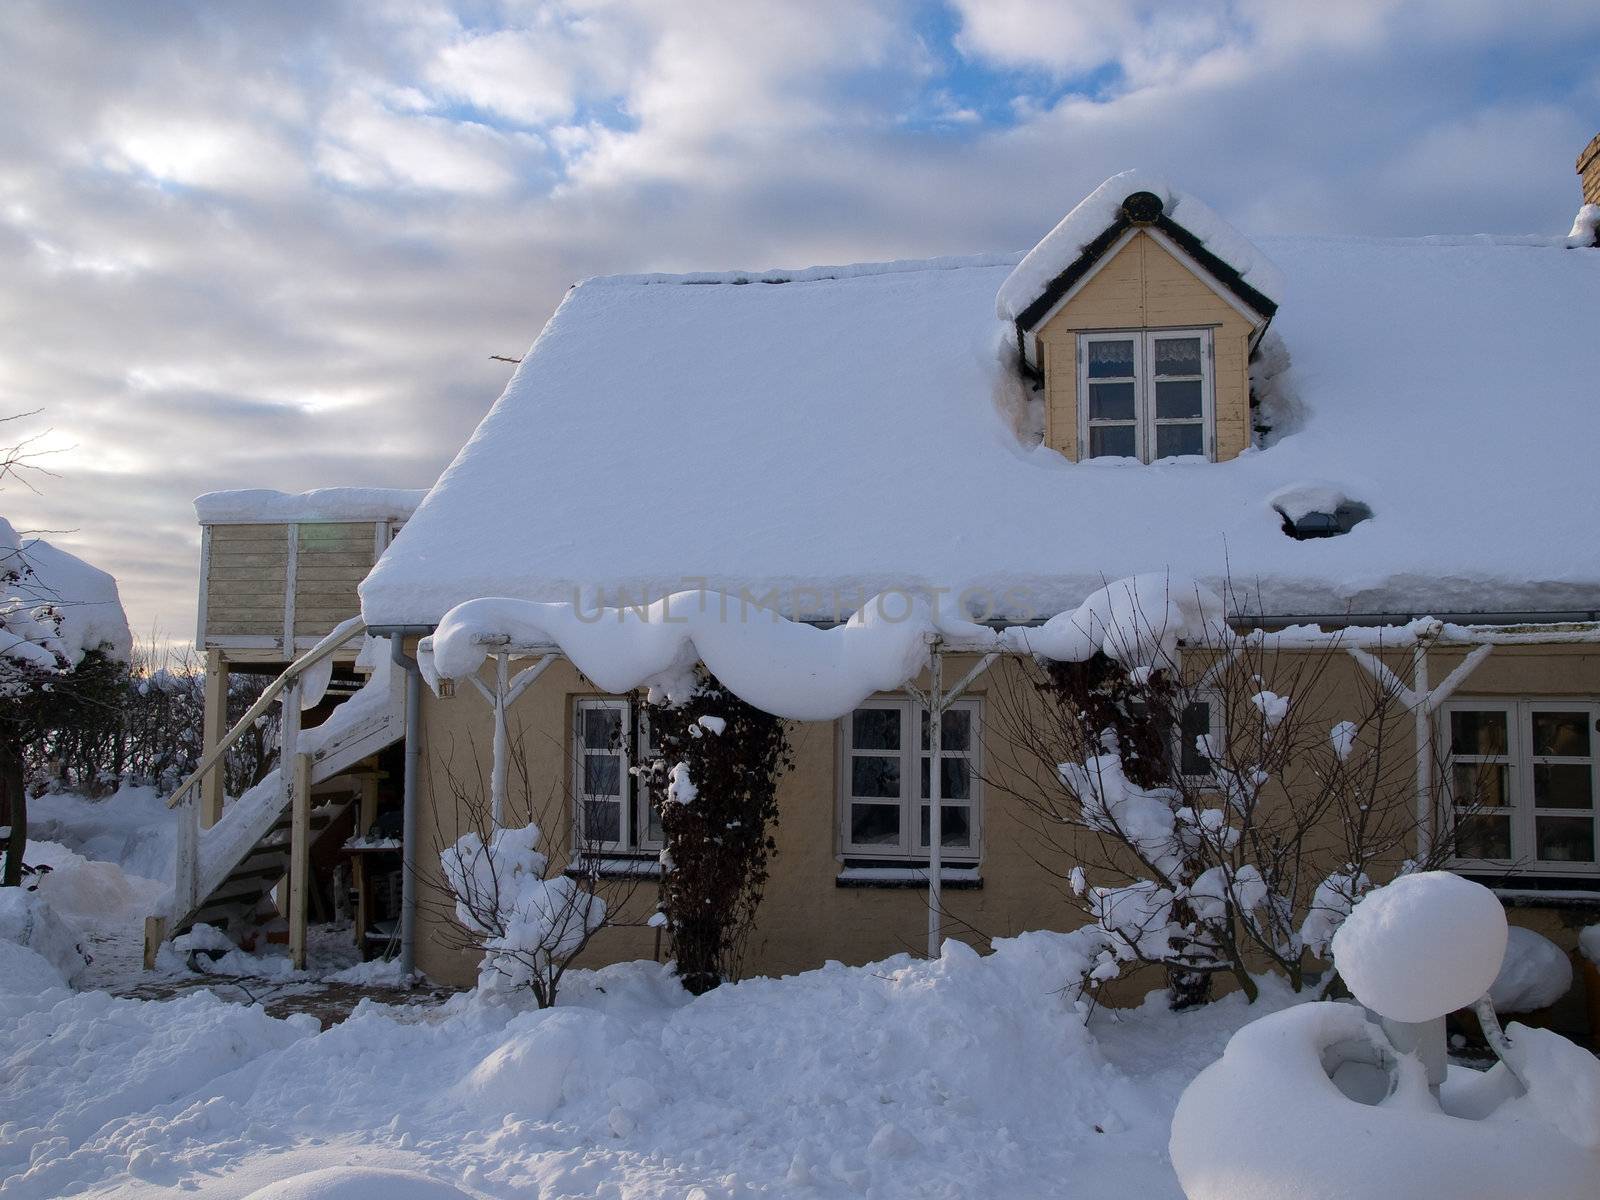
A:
83, 597
842, 431
262, 506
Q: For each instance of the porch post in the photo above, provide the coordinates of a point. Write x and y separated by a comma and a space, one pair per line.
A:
214, 726
935, 713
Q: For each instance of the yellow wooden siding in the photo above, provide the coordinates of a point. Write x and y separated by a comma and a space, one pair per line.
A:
331, 561
1143, 286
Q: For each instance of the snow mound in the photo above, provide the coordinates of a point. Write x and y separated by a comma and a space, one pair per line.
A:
25, 974
359, 1183
1267, 1121
87, 892
1096, 212
1422, 946
27, 919
546, 1060
1589, 944
1535, 973
132, 828
1136, 621
1585, 227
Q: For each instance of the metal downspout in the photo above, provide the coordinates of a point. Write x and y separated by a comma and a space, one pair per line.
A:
408, 829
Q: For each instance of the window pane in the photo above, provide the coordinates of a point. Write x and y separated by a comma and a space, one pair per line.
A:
1178, 399
602, 728
1112, 441
602, 820
1178, 356
874, 824
1111, 359
1483, 837
875, 728
652, 823
1566, 839
1196, 723
602, 774
1561, 733
1562, 785
955, 729
1175, 440
1477, 733
955, 780
874, 775
955, 826
1480, 785
1111, 401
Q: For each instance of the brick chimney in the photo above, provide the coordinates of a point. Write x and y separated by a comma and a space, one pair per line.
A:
1589, 170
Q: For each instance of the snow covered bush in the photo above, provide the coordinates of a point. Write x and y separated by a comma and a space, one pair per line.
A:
715, 785
1207, 806
529, 925
515, 898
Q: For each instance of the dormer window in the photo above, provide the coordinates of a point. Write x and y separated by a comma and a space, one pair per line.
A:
1147, 394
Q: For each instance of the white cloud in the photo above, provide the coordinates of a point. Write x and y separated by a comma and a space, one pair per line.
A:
364, 144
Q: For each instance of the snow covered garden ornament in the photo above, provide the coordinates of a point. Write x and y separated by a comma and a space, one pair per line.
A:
1319, 1102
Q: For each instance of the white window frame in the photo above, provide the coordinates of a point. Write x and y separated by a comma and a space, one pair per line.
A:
635, 751
911, 803
1145, 422
1521, 762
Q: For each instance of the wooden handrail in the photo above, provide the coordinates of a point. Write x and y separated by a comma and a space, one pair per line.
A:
341, 634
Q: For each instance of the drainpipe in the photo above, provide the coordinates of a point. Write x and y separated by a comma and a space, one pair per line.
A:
408, 829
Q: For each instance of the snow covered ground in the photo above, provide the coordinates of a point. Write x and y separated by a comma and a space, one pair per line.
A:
964, 1077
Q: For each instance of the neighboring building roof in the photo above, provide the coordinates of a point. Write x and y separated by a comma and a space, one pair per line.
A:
261, 506
855, 429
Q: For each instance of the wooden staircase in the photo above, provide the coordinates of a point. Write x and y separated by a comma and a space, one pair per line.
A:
221, 873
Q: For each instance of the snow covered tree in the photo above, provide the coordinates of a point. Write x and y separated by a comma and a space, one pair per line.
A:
63, 645
1212, 809
715, 784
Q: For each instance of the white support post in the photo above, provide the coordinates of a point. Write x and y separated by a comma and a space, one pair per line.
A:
501, 697
186, 869
1424, 741
935, 711
502, 738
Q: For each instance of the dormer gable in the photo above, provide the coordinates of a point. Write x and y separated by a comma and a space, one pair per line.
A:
1139, 327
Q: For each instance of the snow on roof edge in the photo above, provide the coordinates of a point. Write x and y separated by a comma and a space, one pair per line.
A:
861, 270
265, 506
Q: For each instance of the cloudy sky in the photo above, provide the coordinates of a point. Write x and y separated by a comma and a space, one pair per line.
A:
273, 245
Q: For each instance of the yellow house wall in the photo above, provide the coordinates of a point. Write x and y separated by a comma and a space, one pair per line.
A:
805, 919
1143, 286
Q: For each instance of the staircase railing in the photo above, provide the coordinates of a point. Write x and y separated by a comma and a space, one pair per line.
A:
186, 865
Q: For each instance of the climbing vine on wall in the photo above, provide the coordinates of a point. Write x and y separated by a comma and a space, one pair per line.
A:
715, 785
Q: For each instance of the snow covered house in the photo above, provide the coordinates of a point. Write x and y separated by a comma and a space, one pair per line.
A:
1349, 433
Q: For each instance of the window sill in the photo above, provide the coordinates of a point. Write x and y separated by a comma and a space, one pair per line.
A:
1574, 891
616, 867
953, 878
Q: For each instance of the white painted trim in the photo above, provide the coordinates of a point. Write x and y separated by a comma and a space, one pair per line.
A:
205, 575
624, 799
290, 569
